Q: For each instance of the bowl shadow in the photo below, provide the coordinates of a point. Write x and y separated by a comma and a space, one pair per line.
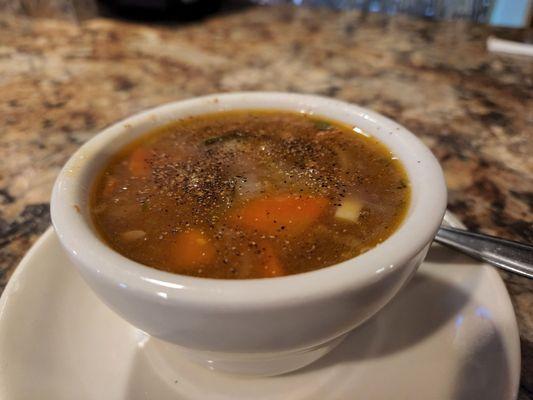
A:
440, 254
419, 310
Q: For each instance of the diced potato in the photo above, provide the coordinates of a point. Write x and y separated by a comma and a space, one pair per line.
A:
349, 210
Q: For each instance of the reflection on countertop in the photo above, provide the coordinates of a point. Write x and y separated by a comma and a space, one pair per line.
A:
62, 82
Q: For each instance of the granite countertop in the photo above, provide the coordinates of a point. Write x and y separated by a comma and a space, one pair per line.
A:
61, 82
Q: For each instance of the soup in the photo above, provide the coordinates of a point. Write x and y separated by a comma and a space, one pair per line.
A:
249, 194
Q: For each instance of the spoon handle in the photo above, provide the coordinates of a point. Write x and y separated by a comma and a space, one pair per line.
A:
508, 255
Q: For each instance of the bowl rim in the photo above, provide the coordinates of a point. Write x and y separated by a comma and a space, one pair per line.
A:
79, 239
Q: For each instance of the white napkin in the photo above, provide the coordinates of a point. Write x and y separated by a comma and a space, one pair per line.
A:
509, 47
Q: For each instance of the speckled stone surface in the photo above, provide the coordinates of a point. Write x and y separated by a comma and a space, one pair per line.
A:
60, 83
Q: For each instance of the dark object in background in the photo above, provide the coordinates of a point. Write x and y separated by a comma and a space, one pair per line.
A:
183, 10
472, 10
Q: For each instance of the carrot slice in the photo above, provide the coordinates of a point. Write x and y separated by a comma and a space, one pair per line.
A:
138, 164
290, 214
271, 265
192, 248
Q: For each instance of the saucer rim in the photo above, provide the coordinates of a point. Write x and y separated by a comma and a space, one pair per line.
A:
512, 332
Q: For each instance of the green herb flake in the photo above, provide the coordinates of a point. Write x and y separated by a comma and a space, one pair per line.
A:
222, 138
402, 184
213, 140
321, 125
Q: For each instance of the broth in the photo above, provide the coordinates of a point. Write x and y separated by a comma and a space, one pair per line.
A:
249, 194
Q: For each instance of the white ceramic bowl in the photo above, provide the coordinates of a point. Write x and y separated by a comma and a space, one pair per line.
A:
258, 326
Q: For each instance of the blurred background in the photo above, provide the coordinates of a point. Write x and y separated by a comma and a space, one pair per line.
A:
509, 13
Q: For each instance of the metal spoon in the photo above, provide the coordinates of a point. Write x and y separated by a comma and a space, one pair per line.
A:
505, 254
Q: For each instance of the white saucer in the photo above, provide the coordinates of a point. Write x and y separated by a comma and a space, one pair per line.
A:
450, 334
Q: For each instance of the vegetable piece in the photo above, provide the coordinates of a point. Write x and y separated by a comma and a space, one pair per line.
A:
270, 264
138, 162
286, 213
349, 210
135, 234
192, 248
110, 185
